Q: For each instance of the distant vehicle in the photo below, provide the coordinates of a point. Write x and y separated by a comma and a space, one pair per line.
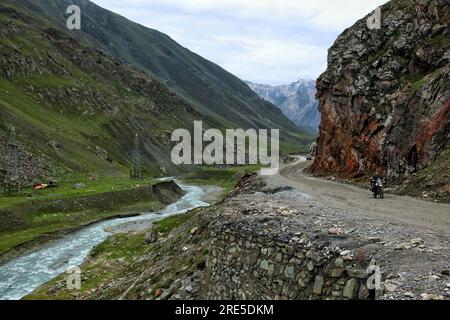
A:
377, 188
309, 157
53, 184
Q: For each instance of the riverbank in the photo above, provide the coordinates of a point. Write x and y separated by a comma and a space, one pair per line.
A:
27, 272
121, 256
128, 230
47, 220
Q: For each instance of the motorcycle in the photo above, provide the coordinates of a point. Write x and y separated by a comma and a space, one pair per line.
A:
377, 189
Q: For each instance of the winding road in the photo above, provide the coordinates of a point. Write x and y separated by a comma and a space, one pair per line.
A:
358, 201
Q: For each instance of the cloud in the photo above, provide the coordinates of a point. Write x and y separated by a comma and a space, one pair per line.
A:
266, 41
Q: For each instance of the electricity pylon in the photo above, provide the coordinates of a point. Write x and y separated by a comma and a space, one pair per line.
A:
136, 169
11, 184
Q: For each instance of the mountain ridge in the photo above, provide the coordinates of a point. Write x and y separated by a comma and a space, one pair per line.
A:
296, 100
209, 88
76, 107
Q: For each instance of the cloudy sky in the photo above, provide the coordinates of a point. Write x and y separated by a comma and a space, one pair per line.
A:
264, 41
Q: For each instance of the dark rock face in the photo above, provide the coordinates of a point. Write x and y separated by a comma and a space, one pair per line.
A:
167, 192
385, 97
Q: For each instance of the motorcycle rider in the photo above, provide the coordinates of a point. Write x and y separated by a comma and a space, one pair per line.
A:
374, 180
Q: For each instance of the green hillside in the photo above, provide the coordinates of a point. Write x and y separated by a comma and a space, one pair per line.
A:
209, 88
77, 109
77, 104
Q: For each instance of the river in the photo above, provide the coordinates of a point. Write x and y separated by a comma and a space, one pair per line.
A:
24, 274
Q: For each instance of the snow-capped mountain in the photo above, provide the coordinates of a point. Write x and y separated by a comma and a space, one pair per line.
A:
297, 101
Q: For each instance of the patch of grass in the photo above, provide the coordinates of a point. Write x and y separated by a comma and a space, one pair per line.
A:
438, 173
286, 148
9, 240
43, 223
441, 40
224, 177
121, 246
168, 224
416, 86
66, 190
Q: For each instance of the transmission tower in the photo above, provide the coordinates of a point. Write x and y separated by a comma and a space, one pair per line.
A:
136, 170
11, 184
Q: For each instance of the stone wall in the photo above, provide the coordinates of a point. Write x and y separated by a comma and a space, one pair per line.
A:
247, 263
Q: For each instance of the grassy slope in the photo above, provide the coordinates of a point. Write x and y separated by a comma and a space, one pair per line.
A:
433, 181
109, 261
53, 88
211, 89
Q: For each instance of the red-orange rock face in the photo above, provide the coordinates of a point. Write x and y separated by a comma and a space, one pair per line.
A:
385, 96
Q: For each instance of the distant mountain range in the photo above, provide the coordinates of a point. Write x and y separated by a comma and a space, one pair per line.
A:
297, 101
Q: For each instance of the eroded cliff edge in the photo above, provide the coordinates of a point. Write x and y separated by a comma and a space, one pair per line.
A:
385, 99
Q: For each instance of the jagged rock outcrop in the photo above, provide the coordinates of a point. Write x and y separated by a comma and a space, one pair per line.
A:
385, 97
296, 100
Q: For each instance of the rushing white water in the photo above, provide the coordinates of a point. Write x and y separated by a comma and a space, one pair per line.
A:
21, 276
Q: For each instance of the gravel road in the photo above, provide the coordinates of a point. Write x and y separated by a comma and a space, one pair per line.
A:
358, 201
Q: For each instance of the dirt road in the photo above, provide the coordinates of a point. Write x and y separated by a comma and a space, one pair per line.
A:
358, 201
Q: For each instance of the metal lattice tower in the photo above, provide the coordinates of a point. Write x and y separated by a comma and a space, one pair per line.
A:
11, 184
136, 170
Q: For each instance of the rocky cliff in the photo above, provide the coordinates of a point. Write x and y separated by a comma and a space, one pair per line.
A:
297, 101
385, 97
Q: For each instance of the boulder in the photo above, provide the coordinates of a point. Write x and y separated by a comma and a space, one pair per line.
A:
151, 237
351, 289
79, 186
